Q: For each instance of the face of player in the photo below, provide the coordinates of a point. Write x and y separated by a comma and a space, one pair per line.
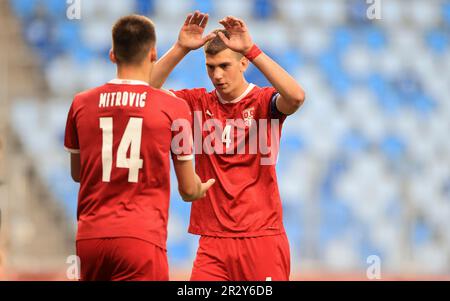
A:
226, 71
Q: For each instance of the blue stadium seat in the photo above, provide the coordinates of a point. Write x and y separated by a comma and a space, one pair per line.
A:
23, 8
343, 37
422, 232
446, 13
206, 6
67, 36
393, 147
375, 38
145, 7
335, 219
354, 142
263, 9
438, 41
56, 8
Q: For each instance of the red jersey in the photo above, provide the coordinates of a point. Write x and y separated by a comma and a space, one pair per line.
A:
122, 131
245, 201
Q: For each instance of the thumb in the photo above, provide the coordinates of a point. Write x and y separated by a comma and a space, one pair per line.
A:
209, 37
210, 183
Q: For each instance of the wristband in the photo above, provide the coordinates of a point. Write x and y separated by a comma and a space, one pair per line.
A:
253, 53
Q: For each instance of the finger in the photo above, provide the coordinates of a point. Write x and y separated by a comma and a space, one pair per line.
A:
224, 39
225, 24
200, 19
234, 22
204, 21
209, 37
230, 21
210, 183
194, 19
188, 19
241, 23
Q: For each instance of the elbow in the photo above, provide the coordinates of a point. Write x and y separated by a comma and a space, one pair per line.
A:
299, 99
75, 177
295, 102
188, 194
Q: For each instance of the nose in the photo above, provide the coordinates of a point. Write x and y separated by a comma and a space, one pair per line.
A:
217, 74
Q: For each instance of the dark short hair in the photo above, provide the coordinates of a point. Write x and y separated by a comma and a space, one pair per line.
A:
133, 36
216, 45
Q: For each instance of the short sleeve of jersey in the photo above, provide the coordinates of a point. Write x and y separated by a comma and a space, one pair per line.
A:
268, 97
182, 139
71, 142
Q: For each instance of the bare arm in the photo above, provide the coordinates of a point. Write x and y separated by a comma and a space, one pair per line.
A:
189, 38
292, 95
189, 184
75, 167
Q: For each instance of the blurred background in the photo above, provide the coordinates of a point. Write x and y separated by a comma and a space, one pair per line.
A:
364, 167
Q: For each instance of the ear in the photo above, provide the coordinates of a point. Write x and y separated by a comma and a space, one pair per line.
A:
244, 63
112, 56
153, 55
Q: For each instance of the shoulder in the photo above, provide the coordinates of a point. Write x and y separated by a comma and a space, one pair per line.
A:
167, 97
264, 92
86, 95
191, 93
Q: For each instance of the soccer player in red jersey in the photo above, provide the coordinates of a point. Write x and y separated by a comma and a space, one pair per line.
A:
240, 219
120, 138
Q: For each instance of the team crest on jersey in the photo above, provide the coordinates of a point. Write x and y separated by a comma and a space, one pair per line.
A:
248, 116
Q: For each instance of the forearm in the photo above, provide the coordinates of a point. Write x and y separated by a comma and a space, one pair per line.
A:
195, 193
165, 65
280, 79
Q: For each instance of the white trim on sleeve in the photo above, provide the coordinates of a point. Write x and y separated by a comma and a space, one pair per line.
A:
72, 151
185, 158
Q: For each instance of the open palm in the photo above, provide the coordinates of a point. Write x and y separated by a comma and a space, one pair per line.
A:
191, 34
240, 39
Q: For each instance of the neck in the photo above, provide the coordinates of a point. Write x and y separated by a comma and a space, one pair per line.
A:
134, 73
235, 93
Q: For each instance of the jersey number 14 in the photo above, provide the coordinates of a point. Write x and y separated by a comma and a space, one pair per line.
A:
131, 139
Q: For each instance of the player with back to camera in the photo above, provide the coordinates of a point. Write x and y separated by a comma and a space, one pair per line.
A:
119, 136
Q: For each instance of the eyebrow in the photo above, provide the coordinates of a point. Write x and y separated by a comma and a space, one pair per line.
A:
222, 64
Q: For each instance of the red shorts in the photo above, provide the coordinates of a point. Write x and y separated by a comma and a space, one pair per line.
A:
242, 259
121, 259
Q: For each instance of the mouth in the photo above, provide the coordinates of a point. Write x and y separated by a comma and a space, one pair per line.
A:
221, 86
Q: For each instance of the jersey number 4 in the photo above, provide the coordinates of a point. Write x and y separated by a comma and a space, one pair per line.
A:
131, 139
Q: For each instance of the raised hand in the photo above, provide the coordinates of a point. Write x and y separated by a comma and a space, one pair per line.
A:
191, 34
240, 39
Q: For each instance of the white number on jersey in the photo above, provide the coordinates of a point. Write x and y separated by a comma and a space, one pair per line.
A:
226, 135
131, 139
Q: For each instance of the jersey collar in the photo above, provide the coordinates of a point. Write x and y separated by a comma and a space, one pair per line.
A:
236, 100
119, 81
